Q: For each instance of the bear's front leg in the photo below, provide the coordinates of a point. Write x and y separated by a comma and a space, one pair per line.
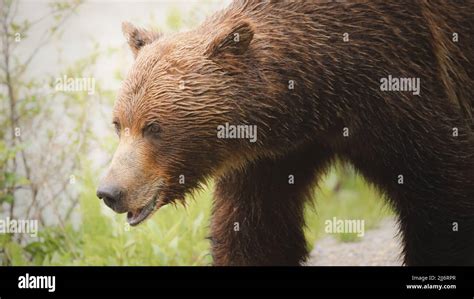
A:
258, 212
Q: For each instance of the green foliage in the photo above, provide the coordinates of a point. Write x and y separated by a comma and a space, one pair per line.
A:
174, 20
344, 195
172, 237
8, 180
56, 246
28, 111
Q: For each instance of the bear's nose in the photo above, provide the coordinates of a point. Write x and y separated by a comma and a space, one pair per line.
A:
112, 196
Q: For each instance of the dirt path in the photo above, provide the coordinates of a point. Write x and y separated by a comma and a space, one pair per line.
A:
379, 247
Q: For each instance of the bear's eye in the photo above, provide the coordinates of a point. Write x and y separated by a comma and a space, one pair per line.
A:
117, 127
152, 129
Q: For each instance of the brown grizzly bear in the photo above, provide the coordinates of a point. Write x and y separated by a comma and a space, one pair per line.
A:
384, 86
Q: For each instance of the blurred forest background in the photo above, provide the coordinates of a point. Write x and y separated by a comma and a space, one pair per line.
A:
55, 145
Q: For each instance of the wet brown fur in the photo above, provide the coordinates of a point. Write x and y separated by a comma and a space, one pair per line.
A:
192, 82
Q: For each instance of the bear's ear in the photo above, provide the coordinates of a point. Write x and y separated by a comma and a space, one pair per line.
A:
137, 37
231, 39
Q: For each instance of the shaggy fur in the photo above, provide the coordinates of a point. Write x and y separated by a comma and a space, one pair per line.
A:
182, 87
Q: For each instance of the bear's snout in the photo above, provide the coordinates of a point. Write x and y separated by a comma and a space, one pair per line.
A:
112, 197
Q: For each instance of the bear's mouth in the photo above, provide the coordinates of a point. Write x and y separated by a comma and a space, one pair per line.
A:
136, 217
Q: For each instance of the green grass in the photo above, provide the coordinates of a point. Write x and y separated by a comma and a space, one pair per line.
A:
344, 195
174, 236
177, 235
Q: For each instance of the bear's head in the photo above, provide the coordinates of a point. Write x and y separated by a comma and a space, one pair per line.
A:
178, 92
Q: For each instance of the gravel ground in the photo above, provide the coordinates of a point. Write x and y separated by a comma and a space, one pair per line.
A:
379, 247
